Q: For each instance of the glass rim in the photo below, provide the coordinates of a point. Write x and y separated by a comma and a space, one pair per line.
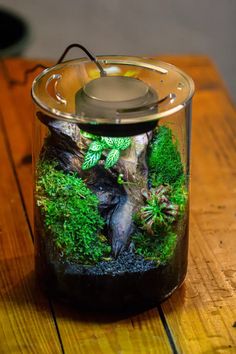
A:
141, 62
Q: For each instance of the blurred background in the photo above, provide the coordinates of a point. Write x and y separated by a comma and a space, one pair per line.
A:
137, 27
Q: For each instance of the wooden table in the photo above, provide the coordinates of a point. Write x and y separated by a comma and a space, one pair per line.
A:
201, 316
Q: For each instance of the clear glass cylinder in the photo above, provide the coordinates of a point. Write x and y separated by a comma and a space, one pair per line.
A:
111, 212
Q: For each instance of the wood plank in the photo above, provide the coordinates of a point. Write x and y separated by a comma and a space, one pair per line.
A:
84, 334
18, 115
26, 323
204, 73
201, 315
138, 334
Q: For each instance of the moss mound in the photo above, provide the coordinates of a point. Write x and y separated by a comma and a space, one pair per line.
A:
70, 212
158, 248
164, 160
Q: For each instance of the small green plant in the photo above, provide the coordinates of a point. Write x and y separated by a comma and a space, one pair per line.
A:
70, 213
159, 249
164, 160
158, 211
114, 146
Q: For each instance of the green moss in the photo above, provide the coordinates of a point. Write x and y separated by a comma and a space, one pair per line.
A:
159, 249
166, 203
164, 160
70, 212
179, 195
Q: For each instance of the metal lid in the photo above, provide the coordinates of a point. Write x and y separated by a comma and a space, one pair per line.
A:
135, 90
116, 89
116, 97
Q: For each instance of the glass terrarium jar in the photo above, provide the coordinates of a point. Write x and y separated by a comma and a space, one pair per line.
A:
111, 158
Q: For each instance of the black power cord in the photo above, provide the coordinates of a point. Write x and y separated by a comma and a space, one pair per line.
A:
74, 45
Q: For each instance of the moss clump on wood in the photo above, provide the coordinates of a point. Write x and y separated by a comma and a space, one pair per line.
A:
164, 160
70, 212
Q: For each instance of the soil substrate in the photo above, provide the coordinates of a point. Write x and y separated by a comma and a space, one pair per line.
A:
124, 284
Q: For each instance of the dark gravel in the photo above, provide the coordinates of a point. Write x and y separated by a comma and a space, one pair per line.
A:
127, 262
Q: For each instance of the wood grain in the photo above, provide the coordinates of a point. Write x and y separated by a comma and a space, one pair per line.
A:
201, 314
82, 333
26, 322
17, 110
